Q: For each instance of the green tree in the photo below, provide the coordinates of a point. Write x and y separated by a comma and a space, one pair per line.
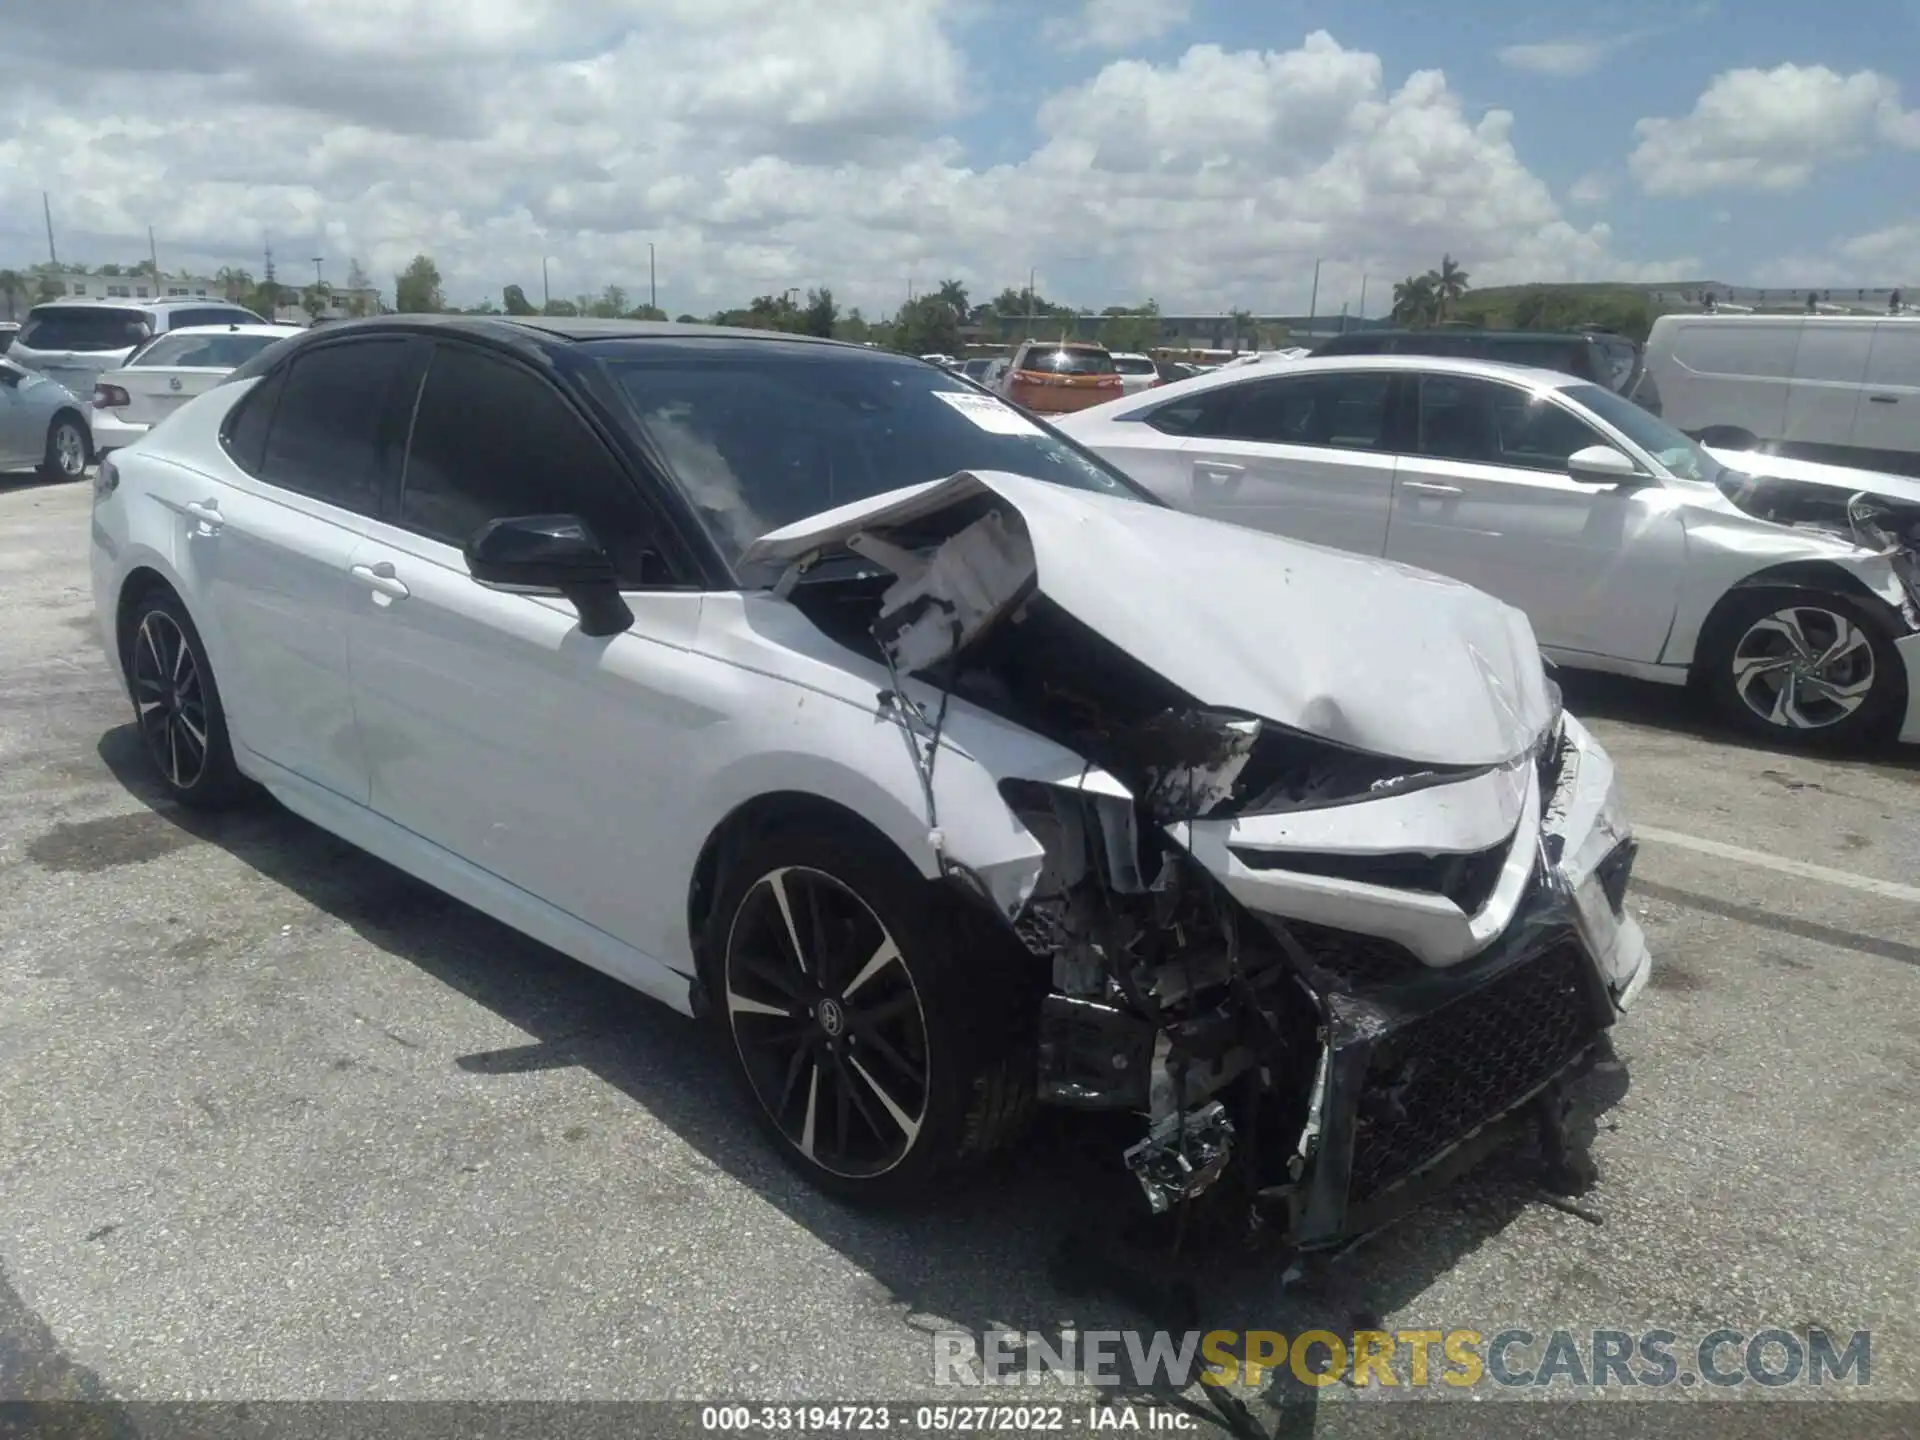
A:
1449, 285
926, 326
954, 294
1131, 330
853, 327
12, 285
1415, 303
1242, 323
314, 299
515, 299
416, 290
111, 270
235, 283
646, 312
361, 297
611, 305
821, 313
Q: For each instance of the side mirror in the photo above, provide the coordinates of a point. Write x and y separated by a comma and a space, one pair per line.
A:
1601, 465
551, 555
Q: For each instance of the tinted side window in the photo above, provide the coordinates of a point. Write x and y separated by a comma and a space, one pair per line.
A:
247, 424
491, 439
1345, 412
1484, 423
329, 438
1202, 414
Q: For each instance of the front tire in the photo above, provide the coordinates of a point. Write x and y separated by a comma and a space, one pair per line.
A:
1805, 668
881, 1032
176, 705
68, 449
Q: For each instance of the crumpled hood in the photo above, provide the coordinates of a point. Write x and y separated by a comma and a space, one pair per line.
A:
1362, 652
1844, 479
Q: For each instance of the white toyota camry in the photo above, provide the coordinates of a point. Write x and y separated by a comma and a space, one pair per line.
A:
1786, 591
809, 689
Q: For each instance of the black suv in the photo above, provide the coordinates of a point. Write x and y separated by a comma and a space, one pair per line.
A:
1601, 356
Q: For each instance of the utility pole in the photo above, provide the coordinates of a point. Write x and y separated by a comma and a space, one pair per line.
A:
46, 207
653, 290
546, 291
1343, 317
1363, 299
317, 280
267, 284
153, 255
1313, 304
1030, 273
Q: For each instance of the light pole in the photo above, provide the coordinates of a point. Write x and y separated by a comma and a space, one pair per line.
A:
653, 291
546, 291
317, 277
1313, 304
1363, 299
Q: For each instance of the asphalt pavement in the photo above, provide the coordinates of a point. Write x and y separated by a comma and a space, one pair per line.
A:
279, 1123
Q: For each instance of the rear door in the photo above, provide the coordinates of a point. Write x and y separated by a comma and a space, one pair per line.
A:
273, 542
1308, 456
1886, 427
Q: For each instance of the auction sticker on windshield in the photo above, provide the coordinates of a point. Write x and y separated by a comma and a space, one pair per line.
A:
988, 413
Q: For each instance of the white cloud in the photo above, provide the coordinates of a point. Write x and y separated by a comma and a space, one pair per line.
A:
757, 144
1115, 24
1593, 188
1560, 58
1771, 130
1879, 258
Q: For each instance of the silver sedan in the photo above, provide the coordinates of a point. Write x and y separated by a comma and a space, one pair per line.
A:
42, 425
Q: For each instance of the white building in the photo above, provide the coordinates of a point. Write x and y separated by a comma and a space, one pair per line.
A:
98, 285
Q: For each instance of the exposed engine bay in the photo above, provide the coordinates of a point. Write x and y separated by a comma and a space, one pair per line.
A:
1884, 524
1329, 1065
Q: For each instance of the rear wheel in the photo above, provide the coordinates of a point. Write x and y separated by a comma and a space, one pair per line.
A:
177, 704
1805, 668
874, 1024
67, 449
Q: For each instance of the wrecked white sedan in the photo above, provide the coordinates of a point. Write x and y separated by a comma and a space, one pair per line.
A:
808, 688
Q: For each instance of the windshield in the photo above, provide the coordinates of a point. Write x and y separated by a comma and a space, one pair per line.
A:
83, 327
1675, 452
760, 434
1069, 362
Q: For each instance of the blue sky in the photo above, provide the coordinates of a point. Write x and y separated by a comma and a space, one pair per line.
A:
1204, 152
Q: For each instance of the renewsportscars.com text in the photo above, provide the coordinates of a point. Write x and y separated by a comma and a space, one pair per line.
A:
1456, 1358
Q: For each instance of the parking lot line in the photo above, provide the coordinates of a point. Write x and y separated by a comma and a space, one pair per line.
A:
1890, 889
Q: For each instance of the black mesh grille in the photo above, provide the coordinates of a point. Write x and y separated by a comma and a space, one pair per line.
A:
1438, 1077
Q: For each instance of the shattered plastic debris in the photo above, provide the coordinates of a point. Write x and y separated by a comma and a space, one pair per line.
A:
1182, 1156
940, 602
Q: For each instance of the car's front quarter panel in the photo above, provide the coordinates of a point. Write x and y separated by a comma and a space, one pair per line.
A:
1727, 548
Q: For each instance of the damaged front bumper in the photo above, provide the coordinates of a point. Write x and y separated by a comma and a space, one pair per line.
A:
1348, 1069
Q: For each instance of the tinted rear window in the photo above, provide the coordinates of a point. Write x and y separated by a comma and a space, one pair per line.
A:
90, 327
328, 437
1128, 365
1069, 362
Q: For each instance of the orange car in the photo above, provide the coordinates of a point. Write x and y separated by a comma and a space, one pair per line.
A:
1055, 377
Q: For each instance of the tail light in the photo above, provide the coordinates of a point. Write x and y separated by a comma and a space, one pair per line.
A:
1108, 382
107, 397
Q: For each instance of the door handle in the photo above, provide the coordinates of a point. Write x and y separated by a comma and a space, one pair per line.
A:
1220, 467
1216, 479
1884, 399
1430, 487
207, 512
380, 578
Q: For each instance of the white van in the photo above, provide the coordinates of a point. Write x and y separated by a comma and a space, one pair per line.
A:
1844, 389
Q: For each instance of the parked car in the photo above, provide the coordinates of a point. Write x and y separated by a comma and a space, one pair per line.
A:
1630, 547
41, 424
644, 638
1137, 372
1842, 389
169, 370
1172, 370
72, 341
9, 332
1599, 356
978, 370
1051, 377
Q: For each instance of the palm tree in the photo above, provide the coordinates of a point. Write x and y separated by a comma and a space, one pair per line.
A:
953, 295
1449, 284
13, 285
234, 281
1416, 300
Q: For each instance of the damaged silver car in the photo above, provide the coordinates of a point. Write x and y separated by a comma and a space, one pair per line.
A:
813, 690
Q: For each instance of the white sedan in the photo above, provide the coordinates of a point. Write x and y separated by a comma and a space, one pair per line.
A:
809, 689
1789, 596
169, 370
